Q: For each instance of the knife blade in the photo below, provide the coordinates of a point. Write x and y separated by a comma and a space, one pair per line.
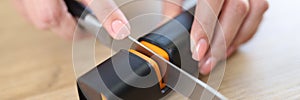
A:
185, 80
185, 84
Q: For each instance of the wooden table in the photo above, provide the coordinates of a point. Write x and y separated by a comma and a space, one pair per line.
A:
38, 65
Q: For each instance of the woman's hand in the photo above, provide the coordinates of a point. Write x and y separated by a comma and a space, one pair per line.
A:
238, 20
53, 15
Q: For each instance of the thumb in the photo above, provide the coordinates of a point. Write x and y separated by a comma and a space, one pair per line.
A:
111, 17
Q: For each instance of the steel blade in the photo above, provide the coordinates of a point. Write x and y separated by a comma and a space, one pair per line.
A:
181, 81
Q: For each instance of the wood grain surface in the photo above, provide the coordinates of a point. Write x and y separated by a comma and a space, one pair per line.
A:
37, 64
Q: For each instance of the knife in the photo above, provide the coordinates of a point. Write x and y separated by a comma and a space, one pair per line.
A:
178, 79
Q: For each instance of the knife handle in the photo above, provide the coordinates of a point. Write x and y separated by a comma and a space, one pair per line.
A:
77, 9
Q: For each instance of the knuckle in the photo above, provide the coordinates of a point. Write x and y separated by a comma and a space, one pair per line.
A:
46, 18
241, 6
50, 18
58, 14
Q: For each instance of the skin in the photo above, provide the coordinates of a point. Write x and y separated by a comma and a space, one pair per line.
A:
236, 20
53, 15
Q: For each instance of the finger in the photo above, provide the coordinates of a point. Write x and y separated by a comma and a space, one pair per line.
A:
206, 15
251, 23
171, 8
51, 14
66, 23
111, 17
230, 51
231, 18
87, 2
43, 13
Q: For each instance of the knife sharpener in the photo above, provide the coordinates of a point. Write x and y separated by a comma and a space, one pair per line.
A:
165, 40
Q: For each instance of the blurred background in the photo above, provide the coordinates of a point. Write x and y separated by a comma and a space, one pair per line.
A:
34, 63
37, 64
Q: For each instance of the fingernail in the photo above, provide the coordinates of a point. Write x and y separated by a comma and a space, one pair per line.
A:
120, 30
208, 66
200, 49
192, 41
